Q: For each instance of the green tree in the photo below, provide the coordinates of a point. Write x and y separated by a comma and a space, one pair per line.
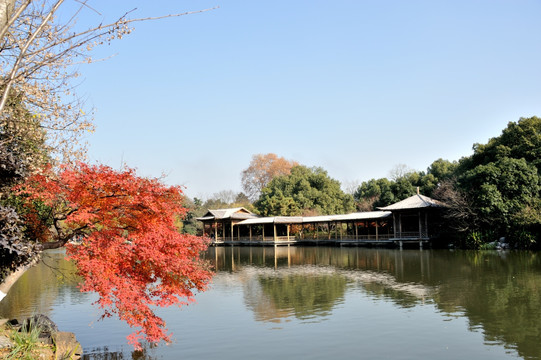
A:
501, 189
502, 180
442, 169
22, 150
374, 193
304, 190
521, 139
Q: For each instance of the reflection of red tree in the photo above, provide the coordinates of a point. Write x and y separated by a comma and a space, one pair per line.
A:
132, 254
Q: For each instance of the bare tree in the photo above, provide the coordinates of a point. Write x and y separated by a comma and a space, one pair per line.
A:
260, 172
350, 186
37, 58
399, 171
225, 196
459, 212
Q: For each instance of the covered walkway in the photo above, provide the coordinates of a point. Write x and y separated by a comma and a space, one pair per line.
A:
406, 221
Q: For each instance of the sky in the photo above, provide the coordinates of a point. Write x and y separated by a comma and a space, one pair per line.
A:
355, 87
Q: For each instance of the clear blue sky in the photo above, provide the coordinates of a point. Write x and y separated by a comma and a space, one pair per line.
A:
355, 87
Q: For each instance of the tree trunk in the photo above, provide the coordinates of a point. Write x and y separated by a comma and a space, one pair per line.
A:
6, 9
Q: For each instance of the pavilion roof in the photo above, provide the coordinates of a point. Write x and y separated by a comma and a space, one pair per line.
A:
238, 213
316, 219
416, 201
272, 220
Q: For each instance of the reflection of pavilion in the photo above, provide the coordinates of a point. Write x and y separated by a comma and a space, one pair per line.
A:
405, 221
306, 283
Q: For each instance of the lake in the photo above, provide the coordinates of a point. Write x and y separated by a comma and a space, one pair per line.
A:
319, 303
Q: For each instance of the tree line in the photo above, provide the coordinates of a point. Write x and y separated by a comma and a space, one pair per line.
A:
493, 193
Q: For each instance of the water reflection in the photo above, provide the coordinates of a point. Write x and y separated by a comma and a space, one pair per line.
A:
53, 279
499, 292
106, 354
306, 294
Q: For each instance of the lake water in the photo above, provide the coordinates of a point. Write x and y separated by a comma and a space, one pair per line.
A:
320, 303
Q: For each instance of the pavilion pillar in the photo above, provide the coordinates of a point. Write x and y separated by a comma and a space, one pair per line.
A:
288, 232
420, 225
367, 223
329, 231
394, 226
263, 231
232, 232
356, 231
250, 229
400, 224
215, 231
426, 223
275, 233
377, 230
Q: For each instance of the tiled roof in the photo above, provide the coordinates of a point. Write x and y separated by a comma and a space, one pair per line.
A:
233, 213
316, 219
417, 201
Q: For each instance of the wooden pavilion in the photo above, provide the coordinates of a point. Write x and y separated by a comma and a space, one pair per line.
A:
240, 226
404, 222
411, 219
219, 224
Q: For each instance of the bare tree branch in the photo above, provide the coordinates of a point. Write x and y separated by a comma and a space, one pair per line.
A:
37, 58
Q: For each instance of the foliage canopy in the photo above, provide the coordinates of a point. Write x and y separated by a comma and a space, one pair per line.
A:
262, 169
130, 252
306, 191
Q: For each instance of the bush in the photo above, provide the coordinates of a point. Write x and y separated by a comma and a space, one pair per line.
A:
14, 250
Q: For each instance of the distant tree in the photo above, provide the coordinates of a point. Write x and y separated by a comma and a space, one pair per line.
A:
405, 186
224, 196
442, 169
399, 171
131, 252
189, 224
462, 218
227, 199
502, 179
350, 186
521, 139
304, 190
404, 182
374, 193
501, 189
262, 169
242, 199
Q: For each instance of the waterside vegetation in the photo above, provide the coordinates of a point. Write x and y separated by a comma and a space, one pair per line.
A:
490, 195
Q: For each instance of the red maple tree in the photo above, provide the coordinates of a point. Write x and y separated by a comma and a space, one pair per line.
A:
131, 253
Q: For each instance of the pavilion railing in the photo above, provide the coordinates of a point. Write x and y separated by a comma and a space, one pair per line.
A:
411, 235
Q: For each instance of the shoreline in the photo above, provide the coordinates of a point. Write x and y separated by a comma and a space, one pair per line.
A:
12, 278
